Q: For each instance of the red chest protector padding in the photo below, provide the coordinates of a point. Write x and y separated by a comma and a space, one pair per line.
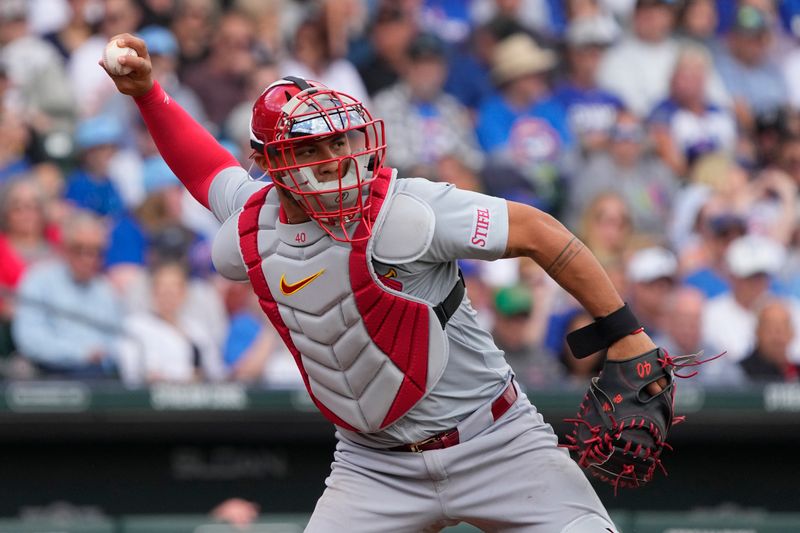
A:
398, 326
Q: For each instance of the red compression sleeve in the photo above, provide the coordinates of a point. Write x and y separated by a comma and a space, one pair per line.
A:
189, 150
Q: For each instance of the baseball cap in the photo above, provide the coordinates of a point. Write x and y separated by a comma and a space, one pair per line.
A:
518, 56
754, 254
426, 46
159, 40
751, 20
724, 224
98, 131
592, 31
651, 264
513, 300
157, 176
171, 243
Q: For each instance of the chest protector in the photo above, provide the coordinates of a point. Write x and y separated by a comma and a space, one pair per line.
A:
367, 353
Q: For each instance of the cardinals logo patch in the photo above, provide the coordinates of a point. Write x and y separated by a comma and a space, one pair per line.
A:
390, 280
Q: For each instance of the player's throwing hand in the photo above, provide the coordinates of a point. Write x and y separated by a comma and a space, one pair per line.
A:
139, 80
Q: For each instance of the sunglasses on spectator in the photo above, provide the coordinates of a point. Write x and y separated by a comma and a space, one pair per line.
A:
24, 206
93, 250
627, 132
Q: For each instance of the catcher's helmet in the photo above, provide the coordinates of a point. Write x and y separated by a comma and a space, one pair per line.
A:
303, 127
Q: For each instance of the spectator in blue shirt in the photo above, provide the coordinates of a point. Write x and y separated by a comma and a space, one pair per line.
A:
719, 230
523, 125
67, 316
469, 64
158, 232
448, 19
789, 11
755, 82
687, 125
253, 351
89, 186
519, 70
591, 111
429, 123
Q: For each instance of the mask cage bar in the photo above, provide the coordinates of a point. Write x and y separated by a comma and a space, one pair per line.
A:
329, 113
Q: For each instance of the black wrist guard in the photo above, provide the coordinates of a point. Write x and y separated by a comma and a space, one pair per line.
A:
603, 332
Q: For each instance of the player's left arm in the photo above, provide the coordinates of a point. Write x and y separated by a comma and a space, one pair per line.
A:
535, 234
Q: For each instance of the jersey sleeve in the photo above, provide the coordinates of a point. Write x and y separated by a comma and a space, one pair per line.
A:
189, 150
230, 190
468, 225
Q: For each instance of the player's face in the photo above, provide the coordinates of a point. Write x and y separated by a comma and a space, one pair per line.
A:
328, 152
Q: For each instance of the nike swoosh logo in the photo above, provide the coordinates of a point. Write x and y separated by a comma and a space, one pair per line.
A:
290, 288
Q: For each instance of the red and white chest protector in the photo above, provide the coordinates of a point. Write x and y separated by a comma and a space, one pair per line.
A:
367, 353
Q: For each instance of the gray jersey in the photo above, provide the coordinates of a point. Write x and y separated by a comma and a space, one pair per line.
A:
467, 225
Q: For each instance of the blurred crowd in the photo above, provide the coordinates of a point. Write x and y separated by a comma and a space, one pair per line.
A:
664, 133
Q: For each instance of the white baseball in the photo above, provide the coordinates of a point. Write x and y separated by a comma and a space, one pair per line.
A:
111, 57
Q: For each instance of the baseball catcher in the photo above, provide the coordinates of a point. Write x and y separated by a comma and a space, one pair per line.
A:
357, 270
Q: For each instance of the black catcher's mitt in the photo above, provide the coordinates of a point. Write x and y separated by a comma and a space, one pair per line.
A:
621, 429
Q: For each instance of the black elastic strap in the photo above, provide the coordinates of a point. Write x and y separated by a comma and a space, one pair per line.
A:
448, 306
603, 332
299, 82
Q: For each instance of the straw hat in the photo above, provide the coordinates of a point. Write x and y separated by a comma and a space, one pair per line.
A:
517, 56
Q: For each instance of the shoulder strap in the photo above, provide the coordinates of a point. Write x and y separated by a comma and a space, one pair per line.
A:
445, 309
448, 306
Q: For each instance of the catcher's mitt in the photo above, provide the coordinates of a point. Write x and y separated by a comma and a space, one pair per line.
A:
621, 429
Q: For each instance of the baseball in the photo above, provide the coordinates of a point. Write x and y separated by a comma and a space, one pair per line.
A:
111, 57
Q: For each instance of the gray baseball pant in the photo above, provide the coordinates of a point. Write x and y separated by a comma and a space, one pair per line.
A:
510, 477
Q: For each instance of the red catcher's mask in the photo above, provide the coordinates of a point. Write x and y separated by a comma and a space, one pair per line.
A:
324, 148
